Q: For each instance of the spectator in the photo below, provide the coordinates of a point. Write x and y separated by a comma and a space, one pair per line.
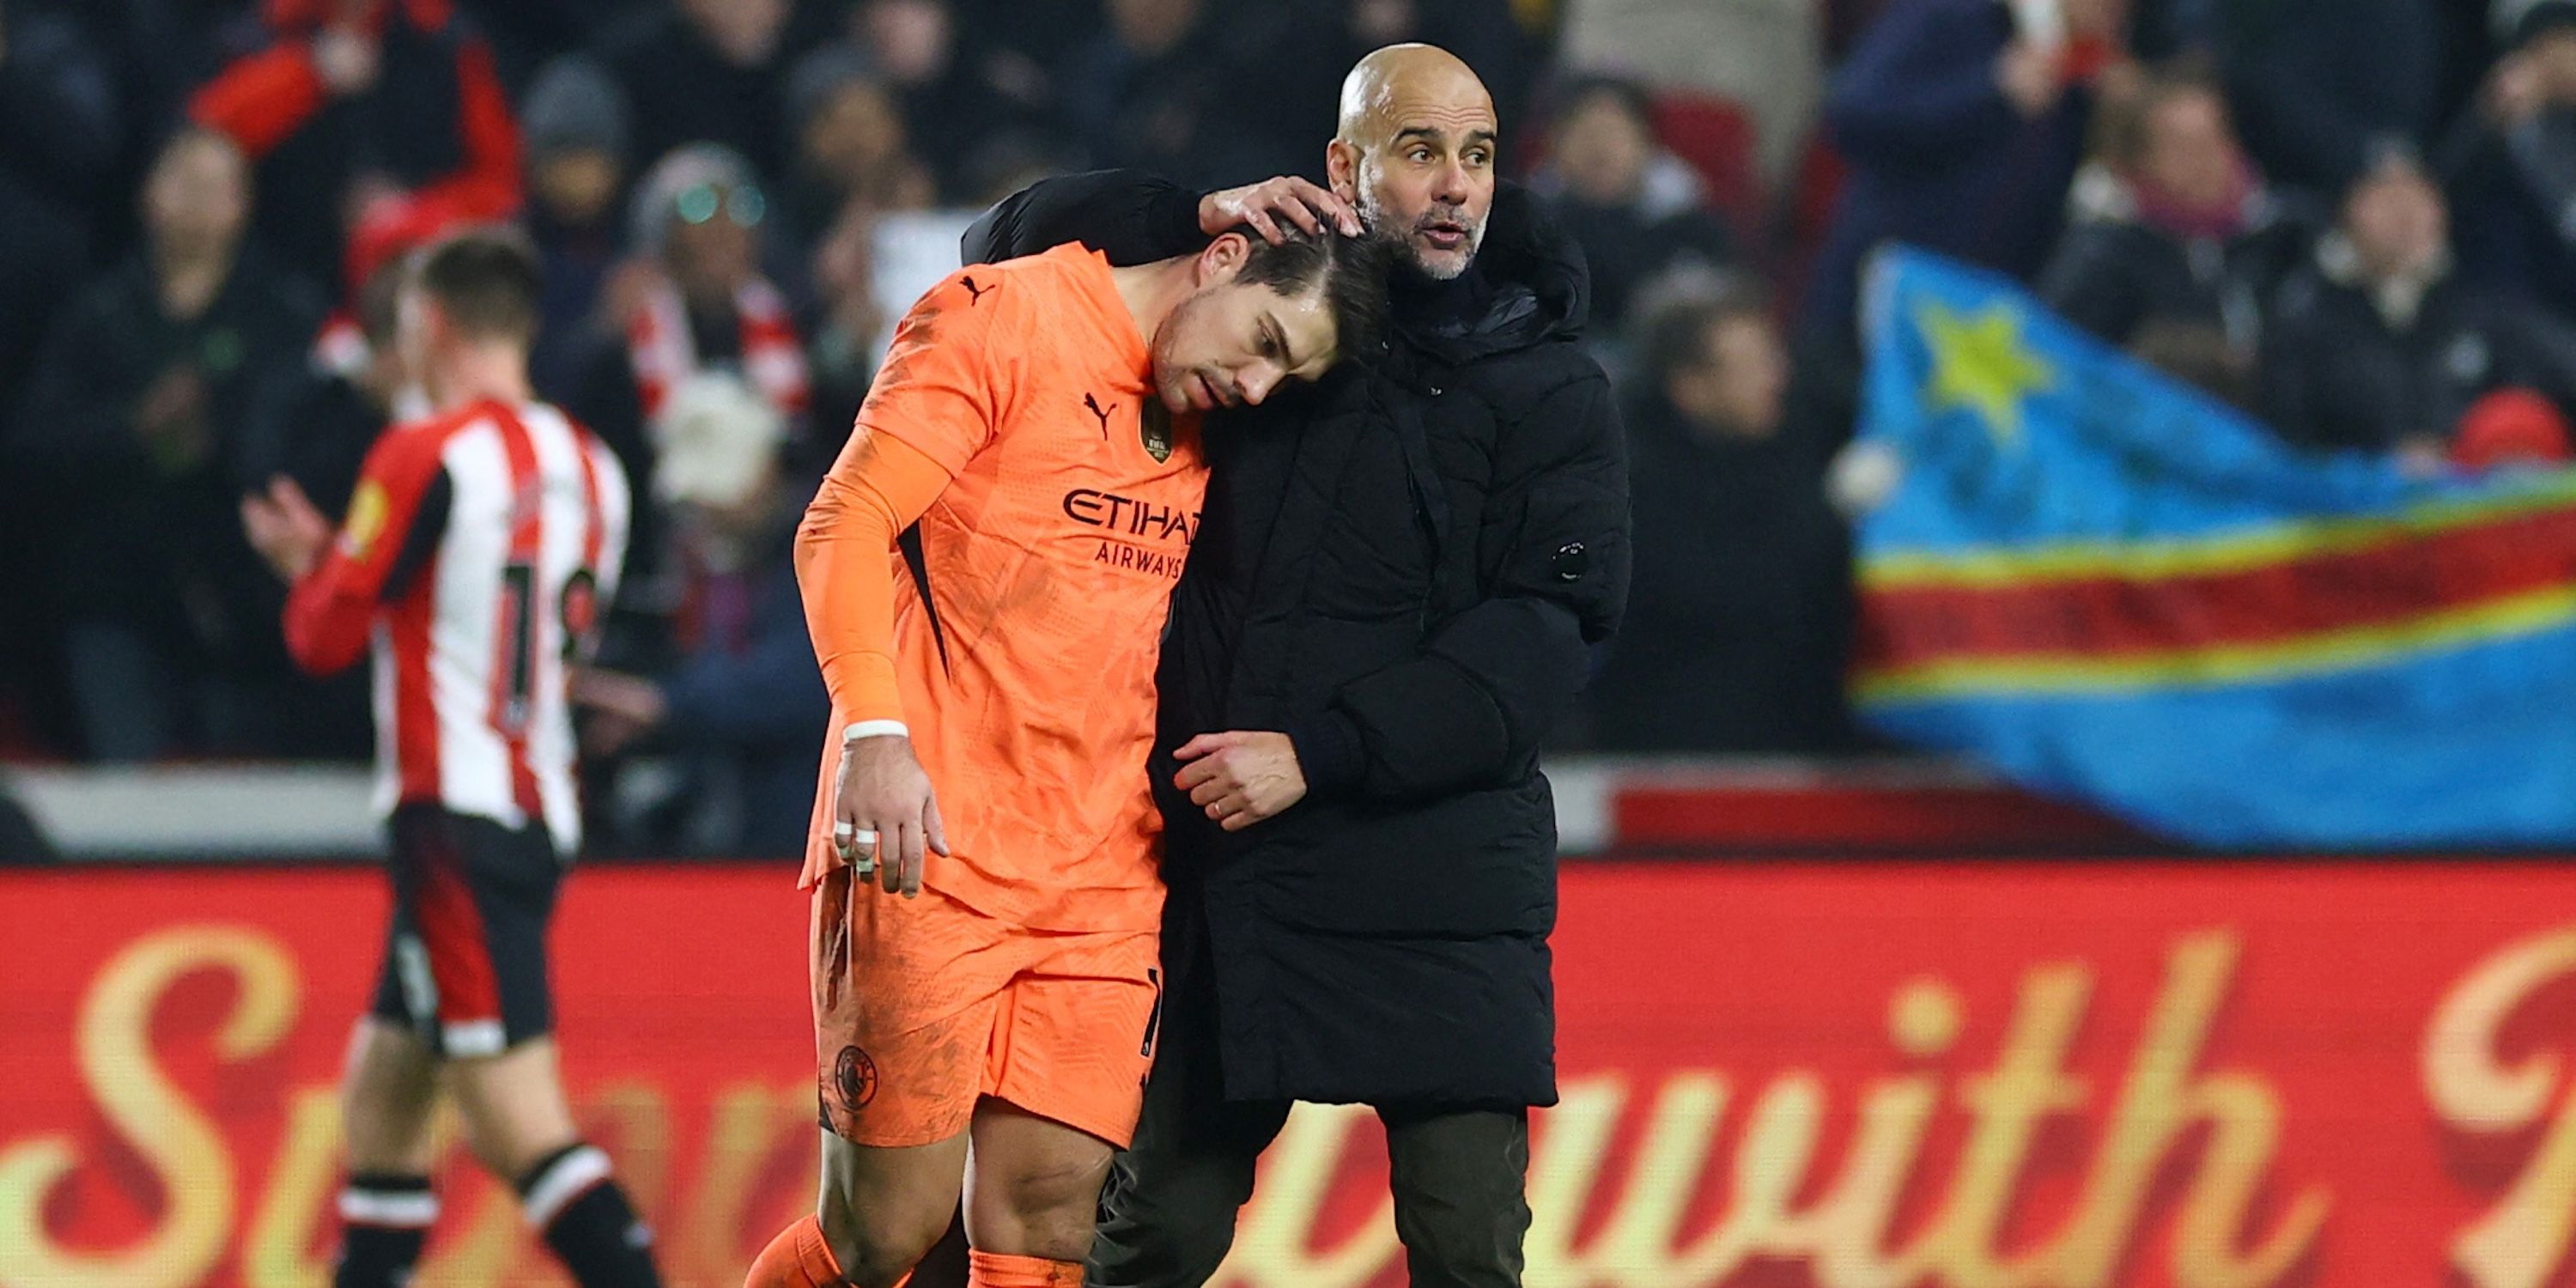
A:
851, 143
2315, 82
2172, 226
576, 123
62, 117
849, 329
58, 132
1633, 206
707, 71
59, 136
740, 709
1737, 625
2378, 346
693, 300
972, 76
956, 99
137, 421
316, 429
1763, 55
1963, 132
386, 113
2513, 161
1160, 90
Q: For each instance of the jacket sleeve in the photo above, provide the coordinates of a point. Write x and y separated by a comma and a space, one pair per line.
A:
1128, 215
485, 184
1475, 702
1916, 87
262, 99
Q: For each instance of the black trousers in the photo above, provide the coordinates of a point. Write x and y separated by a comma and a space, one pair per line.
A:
1168, 1212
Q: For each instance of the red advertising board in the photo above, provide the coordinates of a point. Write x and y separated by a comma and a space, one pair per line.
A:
2046, 1075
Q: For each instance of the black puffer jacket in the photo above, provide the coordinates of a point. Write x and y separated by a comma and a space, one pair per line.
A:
1402, 567
2350, 366
2115, 273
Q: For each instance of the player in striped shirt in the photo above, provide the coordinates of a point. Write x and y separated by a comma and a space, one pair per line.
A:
478, 548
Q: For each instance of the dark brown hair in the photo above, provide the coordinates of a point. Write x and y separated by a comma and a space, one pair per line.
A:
1675, 337
2125, 126
1350, 271
486, 281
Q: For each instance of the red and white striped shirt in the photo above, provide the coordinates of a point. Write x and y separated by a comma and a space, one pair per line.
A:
479, 549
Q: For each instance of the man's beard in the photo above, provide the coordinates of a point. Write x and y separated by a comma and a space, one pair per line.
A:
1374, 215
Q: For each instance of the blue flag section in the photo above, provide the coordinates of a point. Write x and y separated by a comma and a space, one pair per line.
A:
2111, 588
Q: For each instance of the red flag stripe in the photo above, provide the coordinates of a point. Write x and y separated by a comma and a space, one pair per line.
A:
2111, 617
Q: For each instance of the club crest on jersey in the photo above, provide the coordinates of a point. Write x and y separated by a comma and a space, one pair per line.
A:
854, 1076
1155, 428
368, 509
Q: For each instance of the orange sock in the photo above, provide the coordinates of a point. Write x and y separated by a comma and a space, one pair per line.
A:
798, 1258
1002, 1270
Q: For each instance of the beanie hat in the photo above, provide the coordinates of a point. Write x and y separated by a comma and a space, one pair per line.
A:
572, 106
2510, 426
821, 74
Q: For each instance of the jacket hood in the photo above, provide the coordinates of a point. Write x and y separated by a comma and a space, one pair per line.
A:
1538, 287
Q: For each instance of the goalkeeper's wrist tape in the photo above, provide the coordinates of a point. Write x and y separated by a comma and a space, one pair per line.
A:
873, 729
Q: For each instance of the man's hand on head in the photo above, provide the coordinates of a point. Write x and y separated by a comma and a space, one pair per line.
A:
1241, 778
1262, 205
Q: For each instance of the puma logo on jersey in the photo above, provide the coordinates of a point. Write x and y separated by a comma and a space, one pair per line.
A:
974, 293
1093, 405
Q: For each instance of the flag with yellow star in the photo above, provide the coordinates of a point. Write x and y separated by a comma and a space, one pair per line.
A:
2112, 588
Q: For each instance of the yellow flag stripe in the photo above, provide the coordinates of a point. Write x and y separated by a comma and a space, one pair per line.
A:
2510, 617
1988, 567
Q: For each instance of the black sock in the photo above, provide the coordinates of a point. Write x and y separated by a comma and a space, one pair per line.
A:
385, 1217
571, 1200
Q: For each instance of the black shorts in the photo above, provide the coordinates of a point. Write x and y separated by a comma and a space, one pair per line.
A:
465, 957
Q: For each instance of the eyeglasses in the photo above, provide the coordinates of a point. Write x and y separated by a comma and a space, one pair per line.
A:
745, 206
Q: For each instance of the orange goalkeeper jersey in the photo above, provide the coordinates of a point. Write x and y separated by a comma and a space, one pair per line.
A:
1021, 652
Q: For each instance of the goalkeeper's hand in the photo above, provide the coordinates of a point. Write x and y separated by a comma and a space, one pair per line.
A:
1241, 778
884, 815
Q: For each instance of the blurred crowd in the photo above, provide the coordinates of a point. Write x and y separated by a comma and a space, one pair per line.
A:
2355, 218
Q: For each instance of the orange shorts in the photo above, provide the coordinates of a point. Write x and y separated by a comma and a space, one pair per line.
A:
923, 1006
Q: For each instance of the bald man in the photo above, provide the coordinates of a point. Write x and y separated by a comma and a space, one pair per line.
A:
1386, 608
